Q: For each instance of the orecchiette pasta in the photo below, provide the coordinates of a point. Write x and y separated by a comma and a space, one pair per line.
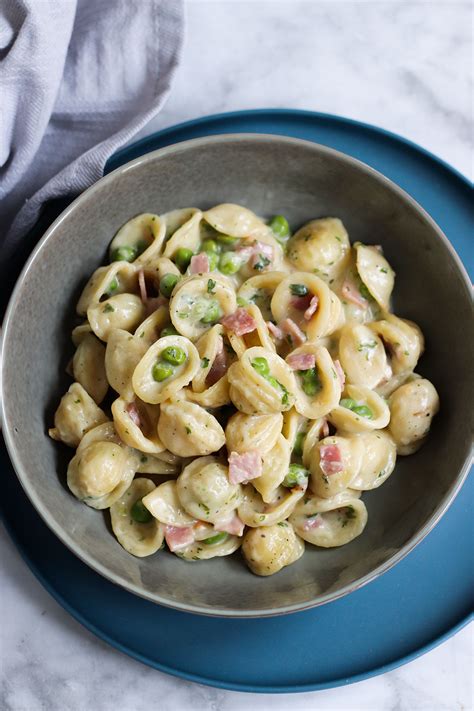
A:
330, 522
259, 375
189, 430
268, 550
77, 414
134, 527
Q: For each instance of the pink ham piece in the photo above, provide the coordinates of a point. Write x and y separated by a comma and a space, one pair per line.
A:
154, 303
199, 263
276, 332
232, 525
219, 366
240, 322
244, 467
142, 286
351, 293
290, 328
340, 373
312, 308
134, 414
178, 538
301, 361
312, 523
330, 459
244, 253
301, 303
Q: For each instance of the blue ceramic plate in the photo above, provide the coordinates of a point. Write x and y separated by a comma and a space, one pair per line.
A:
413, 607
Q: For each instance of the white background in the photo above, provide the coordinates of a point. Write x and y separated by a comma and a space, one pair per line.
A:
406, 66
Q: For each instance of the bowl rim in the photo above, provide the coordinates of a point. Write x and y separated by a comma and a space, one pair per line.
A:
7, 326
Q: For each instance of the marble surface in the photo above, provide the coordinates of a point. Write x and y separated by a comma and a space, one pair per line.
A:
405, 66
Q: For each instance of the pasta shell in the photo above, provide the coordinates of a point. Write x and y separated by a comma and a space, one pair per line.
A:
259, 432
412, 408
205, 491
375, 272
188, 430
275, 464
321, 247
163, 503
192, 299
151, 391
255, 512
328, 485
88, 367
268, 550
330, 522
139, 539
349, 421
123, 311
77, 413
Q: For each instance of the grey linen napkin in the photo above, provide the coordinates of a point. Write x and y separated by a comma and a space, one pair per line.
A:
78, 79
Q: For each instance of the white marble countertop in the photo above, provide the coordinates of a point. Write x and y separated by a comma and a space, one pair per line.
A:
405, 66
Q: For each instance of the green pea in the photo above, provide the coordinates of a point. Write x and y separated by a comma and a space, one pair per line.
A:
241, 301
213, 260
113, 286
310, 382
168, 331
173, 355
297, 476
124, 254
363, 411
218, 538
161, 371
167, 284
229, 263
299, 443
210, 246
213, 313
227, 239
279, 226
183, 257
139, 513
348, 402
261, 366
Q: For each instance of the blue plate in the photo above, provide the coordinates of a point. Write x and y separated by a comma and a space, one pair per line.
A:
413, 607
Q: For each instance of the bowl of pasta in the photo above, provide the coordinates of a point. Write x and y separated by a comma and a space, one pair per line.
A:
237, 348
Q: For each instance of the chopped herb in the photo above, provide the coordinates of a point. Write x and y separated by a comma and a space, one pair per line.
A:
383, 270
261, 518
299, 289
338, 238
263, 262
210, 286
108, 308
283, 524
364, 346
142, 334
381, 473
241, 301
205, 508
218, 538
143, 459
204, 362
297, 476
188, 430
77, 401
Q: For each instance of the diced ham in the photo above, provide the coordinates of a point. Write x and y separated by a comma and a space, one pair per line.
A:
276, 332
330, 459
290, 328
142, 286
312, 523
351, 293
325, 429
301, 361
232, 525
199, 263
244, 467
240, 322
134, 414
301, 303
219, 366
178, 538
340, 373
312, 308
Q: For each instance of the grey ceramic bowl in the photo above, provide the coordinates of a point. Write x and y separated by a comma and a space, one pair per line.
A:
268, 174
